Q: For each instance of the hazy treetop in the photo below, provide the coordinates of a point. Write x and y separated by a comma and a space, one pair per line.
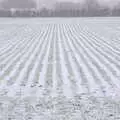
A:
47, 3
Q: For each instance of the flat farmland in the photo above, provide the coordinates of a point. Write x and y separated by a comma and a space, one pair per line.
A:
60, 69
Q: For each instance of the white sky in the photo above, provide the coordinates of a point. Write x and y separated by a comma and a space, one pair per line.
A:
49, 3
104, 2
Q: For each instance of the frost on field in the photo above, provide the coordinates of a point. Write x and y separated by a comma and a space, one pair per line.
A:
82, 107
64, 69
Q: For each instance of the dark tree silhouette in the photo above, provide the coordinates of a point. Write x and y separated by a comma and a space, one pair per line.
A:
28, 8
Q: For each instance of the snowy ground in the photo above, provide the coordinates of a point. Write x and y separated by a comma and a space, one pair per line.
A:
60, 69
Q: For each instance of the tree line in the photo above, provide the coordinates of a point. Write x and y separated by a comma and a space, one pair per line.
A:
90, 8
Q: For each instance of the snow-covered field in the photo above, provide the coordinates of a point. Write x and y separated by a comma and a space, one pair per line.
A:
60, 69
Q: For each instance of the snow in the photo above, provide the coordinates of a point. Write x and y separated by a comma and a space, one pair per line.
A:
59, 69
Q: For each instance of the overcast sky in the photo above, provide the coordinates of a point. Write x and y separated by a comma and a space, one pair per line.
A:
49, 3
110, 3
102, 1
